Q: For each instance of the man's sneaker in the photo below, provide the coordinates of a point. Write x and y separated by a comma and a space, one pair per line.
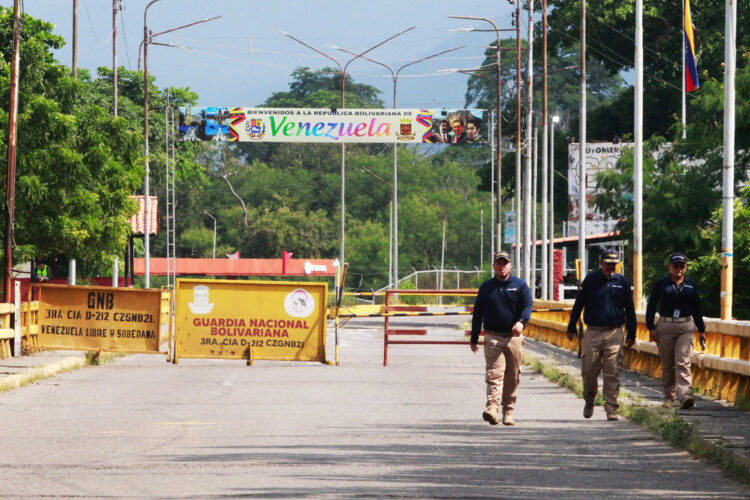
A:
508, 418
668, 404
611, 415
490, 415
588, 409
686, 403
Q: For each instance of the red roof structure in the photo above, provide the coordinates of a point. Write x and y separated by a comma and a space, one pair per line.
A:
238, 267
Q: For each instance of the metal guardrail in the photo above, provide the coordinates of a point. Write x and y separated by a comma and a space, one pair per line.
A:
722, 371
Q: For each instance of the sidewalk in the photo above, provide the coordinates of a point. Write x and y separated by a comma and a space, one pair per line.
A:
18, 371
714, 422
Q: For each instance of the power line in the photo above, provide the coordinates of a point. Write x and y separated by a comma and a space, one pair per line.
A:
619, 63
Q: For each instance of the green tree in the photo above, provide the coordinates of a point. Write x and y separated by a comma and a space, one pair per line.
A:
322, 89
610, 40
706, 269
76, 165
682, 185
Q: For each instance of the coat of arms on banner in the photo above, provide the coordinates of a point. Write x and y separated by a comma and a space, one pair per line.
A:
299, 303
255, 128
405, 132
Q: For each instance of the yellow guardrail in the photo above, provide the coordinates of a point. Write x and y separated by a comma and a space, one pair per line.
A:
7, 334
29, 315
30, 326
164, 319
722, 371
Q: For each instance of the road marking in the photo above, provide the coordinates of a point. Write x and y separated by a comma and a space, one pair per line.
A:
188, 423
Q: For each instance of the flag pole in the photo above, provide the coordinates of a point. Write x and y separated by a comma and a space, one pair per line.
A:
684, 74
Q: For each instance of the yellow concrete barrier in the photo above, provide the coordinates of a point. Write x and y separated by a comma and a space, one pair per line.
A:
722, 371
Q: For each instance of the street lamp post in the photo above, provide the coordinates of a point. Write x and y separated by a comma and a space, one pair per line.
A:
551, 254
214, 219
394, 199
390, 235
147, 37
499, 162
342, 70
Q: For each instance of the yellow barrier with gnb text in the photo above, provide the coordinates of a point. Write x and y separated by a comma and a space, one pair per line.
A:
99, 318
233, 319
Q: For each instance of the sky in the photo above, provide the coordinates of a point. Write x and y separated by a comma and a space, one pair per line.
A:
241, 58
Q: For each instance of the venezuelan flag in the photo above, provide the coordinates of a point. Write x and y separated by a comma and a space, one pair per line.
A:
691, 67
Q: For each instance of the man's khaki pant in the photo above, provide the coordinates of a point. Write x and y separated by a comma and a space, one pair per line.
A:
602, 352
676, 351
502, 356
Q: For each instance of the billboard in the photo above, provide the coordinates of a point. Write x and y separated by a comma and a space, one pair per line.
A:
233, 319
600, 156
322, 125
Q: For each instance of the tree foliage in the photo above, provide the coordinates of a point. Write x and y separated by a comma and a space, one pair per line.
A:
682, 185
76, 165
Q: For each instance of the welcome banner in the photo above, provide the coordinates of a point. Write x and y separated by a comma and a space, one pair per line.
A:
408, 126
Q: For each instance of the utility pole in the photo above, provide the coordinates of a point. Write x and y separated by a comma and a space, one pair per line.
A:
529, 138
517, 253
10, 187
394, 196
146, 180
342, 70
727, 223
75, 39
582, 151
499, 161
147, 39
551, 255
115, 8
638, 161
545, 136
535, 171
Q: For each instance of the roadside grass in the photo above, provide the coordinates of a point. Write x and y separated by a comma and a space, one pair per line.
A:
665, 423
43, 372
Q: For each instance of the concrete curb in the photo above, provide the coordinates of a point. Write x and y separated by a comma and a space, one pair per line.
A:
16, 380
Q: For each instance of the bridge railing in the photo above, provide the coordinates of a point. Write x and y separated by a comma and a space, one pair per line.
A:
30, 326
7, 333
722, 371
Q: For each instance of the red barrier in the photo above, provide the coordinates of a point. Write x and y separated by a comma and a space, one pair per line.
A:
421, 309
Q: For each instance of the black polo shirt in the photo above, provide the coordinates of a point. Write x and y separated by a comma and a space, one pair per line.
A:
604, 301
671, 296
500, 304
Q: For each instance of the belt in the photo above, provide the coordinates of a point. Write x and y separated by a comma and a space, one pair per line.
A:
604, 327
499, 334
678, 320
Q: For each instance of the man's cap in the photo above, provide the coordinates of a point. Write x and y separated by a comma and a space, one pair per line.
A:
609, 256
677, 257
502, 255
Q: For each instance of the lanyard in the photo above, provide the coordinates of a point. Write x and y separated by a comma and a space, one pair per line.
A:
677, 291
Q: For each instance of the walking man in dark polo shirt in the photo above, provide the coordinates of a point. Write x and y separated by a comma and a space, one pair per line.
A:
679, 316
607, 301
504, 305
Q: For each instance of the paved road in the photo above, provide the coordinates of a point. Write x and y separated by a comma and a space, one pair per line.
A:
142, 428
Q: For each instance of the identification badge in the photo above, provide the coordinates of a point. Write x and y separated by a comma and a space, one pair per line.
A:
676, 314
